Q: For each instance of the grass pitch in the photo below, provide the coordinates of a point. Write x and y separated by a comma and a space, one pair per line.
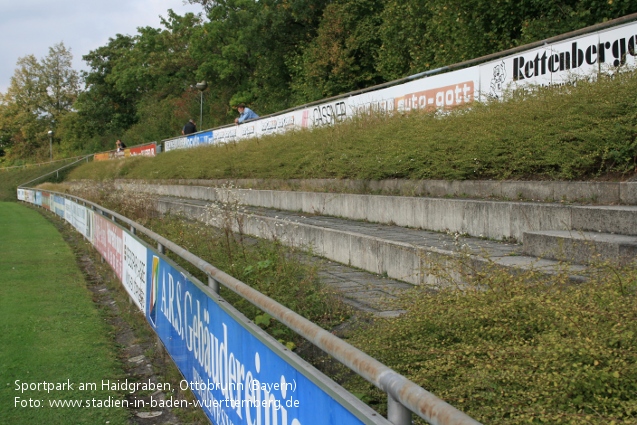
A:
50, 330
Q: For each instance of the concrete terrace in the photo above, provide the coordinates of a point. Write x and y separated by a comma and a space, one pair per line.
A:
394, 241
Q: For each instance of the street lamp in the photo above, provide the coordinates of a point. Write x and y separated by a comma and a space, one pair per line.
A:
51, 143
201, 87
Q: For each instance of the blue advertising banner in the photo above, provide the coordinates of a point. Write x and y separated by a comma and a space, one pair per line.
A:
235, 373
190, 141
58, 205
238, 373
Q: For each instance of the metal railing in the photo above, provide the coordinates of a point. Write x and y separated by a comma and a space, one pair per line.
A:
57, 172
403, 395
40, 164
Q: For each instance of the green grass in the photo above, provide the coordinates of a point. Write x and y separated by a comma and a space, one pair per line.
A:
564, 133
49, 327
11, 178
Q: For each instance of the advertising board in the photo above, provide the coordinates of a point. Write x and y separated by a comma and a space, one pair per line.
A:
561, 63
78, 216
29, 196
149, 149
236, 372
190, 141
135, 270
46, 200
108, 240
58, 205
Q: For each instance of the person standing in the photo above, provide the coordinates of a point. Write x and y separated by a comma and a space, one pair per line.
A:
189, 128
246, 114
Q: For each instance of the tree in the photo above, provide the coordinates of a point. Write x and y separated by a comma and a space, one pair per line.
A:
39, 95
343, 56
250, 50
132, 84
61, 82
102, 108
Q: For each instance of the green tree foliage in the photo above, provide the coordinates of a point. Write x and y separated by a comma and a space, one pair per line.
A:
40, 95
418, 36
134, 85
344, 53
404, 49
102, 108
249, 49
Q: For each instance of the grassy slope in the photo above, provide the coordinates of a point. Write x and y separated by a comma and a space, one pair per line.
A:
11, 178
567, 133
49, 328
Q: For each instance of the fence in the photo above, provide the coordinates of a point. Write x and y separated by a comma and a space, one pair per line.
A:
217, 349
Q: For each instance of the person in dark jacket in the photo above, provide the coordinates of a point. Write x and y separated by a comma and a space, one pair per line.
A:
120, 145
189, 128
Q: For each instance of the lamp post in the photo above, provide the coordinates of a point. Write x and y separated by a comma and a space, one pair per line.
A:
51, 144
201, 87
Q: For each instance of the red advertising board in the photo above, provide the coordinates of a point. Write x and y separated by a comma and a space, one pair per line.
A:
144, 150
149, 149
110, 243
46, 200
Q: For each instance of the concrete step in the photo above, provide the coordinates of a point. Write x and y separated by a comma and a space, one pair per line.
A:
614, 219
499, 220
411, 255
586, 192
581, 247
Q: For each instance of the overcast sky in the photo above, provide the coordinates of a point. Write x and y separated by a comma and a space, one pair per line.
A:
32, 26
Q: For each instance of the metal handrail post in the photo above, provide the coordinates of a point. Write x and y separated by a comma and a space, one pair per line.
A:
213, 284
397, 413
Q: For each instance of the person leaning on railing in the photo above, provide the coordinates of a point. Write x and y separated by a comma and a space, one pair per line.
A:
246, 114
120, 145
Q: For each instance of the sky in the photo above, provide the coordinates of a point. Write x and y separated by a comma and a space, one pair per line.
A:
32, 26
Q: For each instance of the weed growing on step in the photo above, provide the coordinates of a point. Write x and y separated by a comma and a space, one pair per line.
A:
269, 267
514, 348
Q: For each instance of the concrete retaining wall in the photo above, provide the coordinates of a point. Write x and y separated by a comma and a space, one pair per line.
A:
602, 193
397, 260
497, 220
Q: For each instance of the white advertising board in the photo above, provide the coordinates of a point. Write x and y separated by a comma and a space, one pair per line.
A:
552, 64
134, 278
79, 218
560, 63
